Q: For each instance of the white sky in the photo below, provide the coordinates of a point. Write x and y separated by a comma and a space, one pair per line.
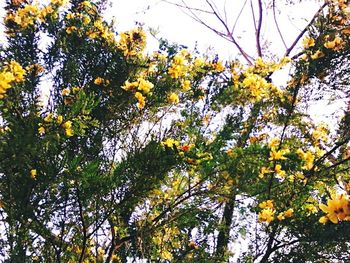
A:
175, 25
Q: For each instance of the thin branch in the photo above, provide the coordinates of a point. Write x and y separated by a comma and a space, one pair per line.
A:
185, 6
304, 30
229, 34
258, 31
253, 14
276, 23
239, 15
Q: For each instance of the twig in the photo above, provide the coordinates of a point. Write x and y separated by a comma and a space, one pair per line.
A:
304, 30
276, 23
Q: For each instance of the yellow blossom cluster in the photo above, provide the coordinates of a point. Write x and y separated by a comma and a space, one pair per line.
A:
267, 214
180, 65
24, 17
12, 72
33, 173
275, 152
141, 101
170, 143
308, 157
320, 134
100, 31
101, 81
337, 209
49, 118
29, 14
308, 42
85, 19
173, 98
67, 126
251, 84
268, 211
335, 44
132, 43
265, 67
285, 214
143, 86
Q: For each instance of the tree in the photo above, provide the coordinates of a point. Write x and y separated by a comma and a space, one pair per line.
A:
167, 156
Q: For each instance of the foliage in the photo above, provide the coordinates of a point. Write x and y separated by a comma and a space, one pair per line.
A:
109, 153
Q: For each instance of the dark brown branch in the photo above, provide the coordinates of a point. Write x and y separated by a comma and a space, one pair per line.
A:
81, 214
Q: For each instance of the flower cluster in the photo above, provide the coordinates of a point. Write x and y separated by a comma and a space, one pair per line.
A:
337, 209
267, 214
58, 120
180, 65
268, 211
251, 84
141, 85
132, 42
30, 14
12, 72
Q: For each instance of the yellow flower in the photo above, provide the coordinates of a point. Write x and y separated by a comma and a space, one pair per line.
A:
59, 119
67, 125
173, 98
336, 44
65, 92
337, 208
99, 81
266, 215
41, 130
219, 67
48, 117
144, 85
47, 10
289, 212
86, 4
323, 220
279, 155
274, 142
179, 66
308, 42
318, 54
33, 173
280, 173
71, 29
266, 204
280, 216
170, 143
165, 254
69, 132
70, 16
263, 171
86, 20
132, 42
129, 85
17, 71
141, 100
185, 85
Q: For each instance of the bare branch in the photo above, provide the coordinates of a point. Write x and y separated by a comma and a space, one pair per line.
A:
276, 23
229, 34
258, 31
239, 15
185, 6
253, 14
304, 30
